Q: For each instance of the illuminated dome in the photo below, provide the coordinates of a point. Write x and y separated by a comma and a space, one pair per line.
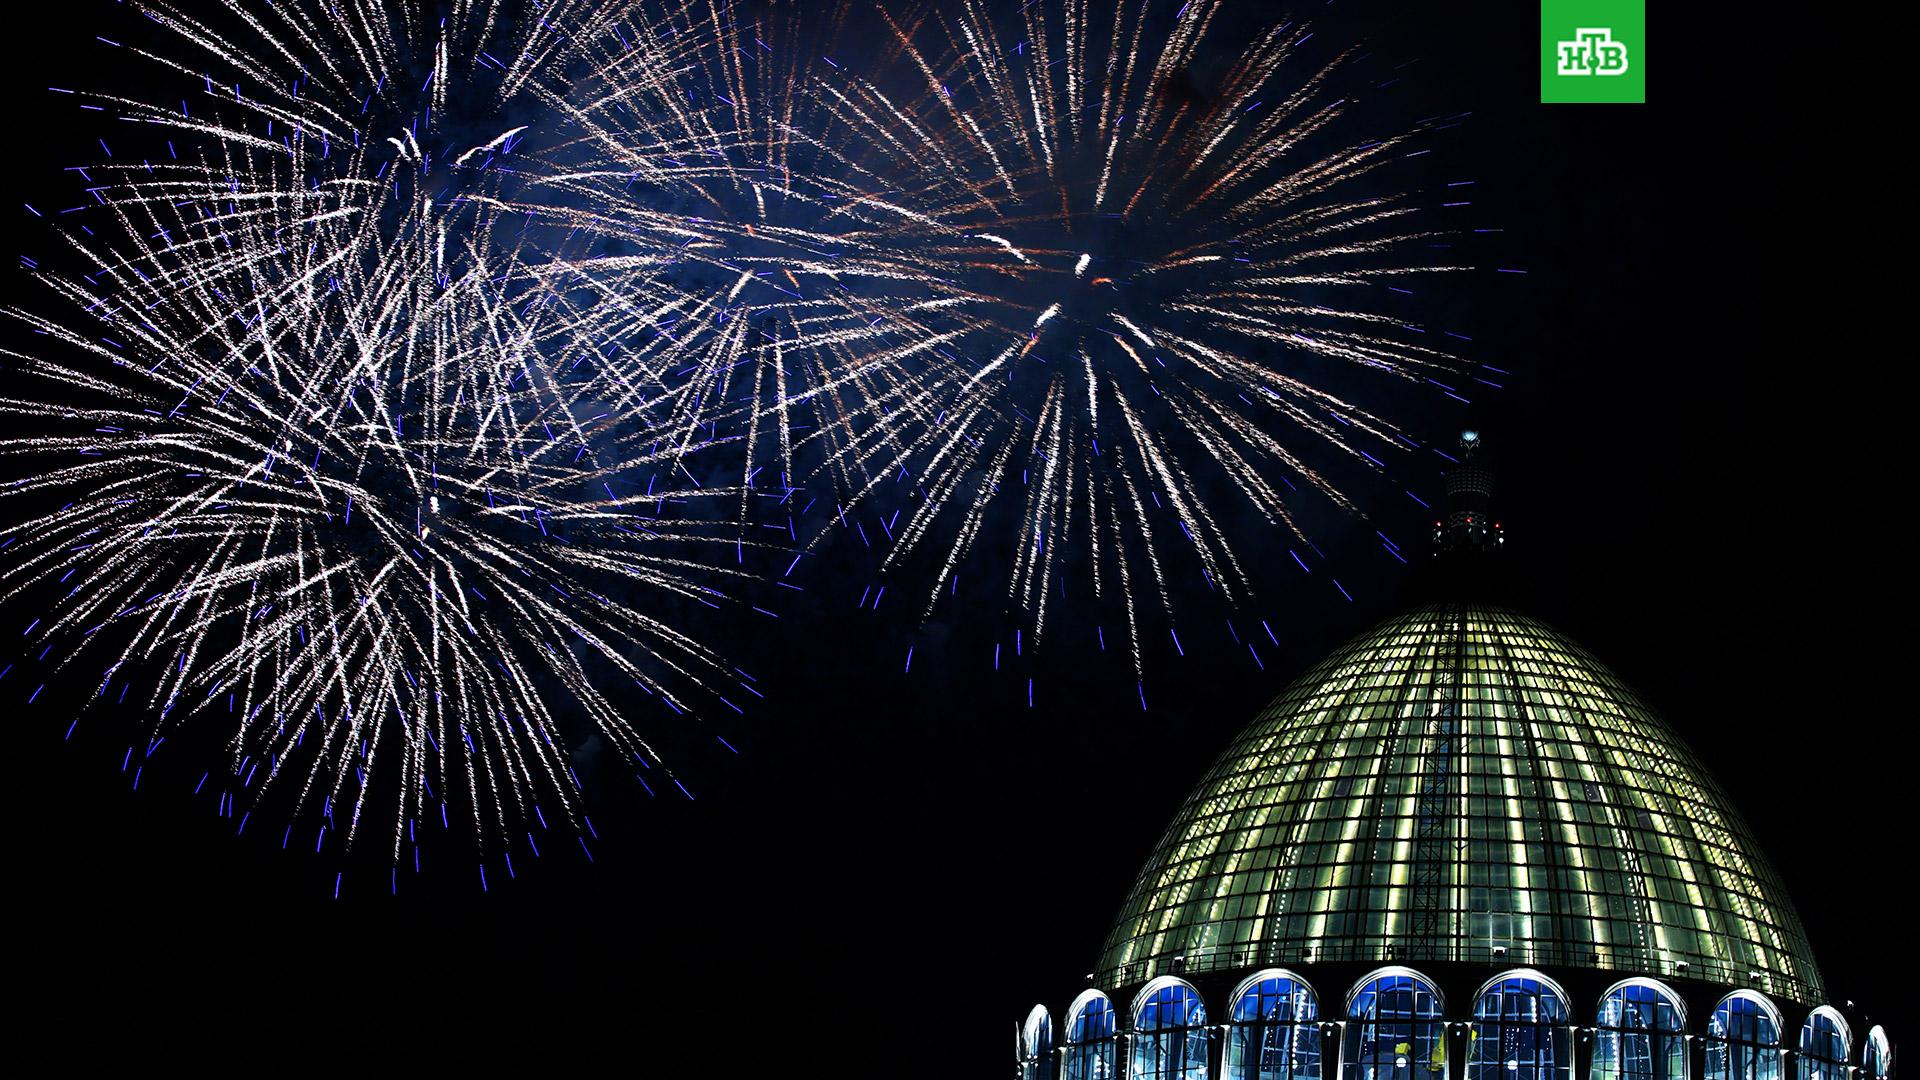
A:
1461, 784
1459, 849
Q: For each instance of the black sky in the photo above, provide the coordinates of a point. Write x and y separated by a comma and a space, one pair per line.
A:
1704, 471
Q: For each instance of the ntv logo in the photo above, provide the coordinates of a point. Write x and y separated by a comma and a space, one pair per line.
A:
1592, 52
1582, 38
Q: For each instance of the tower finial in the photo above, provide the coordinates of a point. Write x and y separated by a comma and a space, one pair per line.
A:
1469, 527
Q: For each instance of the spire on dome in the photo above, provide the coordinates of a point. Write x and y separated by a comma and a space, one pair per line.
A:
1469, 527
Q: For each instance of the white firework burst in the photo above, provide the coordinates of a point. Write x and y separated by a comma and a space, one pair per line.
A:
1109, 308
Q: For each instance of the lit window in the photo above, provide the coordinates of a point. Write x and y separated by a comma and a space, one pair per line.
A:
1089, 1047
1823, 1046
1036, 1045
1639, 1034
1169, 1032
1396, 1033
1276, 1035
1520, 1030
1743, 1039
1879, 1061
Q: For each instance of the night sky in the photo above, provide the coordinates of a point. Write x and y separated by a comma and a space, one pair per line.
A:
1702, 478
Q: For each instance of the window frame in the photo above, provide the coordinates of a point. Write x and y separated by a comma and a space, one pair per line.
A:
1196, 1025
1242, 1070
1561, 1031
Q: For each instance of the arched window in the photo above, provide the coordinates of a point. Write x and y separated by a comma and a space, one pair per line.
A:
1396, 1032
1823, 1046
1743, 1039
1639, 1034
1169, 1032
1276, 1034
1879, 1055
1521, 1030
1090, 1042
1036, 1045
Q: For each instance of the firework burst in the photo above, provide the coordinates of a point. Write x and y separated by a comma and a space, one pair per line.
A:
385, 418
320, 468
1111, 307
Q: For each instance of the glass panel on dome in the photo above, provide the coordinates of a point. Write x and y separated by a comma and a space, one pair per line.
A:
1823, 1046
1396, 1033
1276, 1031
1090, 1039
1520, 1032
1639, 1034
1743, 1039
1169, 1033
1467, 782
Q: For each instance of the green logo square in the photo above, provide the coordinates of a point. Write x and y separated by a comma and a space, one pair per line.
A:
1593, 51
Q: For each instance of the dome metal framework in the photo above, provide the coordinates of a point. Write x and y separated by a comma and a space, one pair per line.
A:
1462, 784
1458, 849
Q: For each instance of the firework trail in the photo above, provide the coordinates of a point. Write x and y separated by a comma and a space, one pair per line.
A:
317, 465
412, 333
1094, 299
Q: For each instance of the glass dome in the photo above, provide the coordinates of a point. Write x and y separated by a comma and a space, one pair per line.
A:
1463, 784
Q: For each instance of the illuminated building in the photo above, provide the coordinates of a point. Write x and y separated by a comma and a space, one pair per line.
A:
1457, 849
